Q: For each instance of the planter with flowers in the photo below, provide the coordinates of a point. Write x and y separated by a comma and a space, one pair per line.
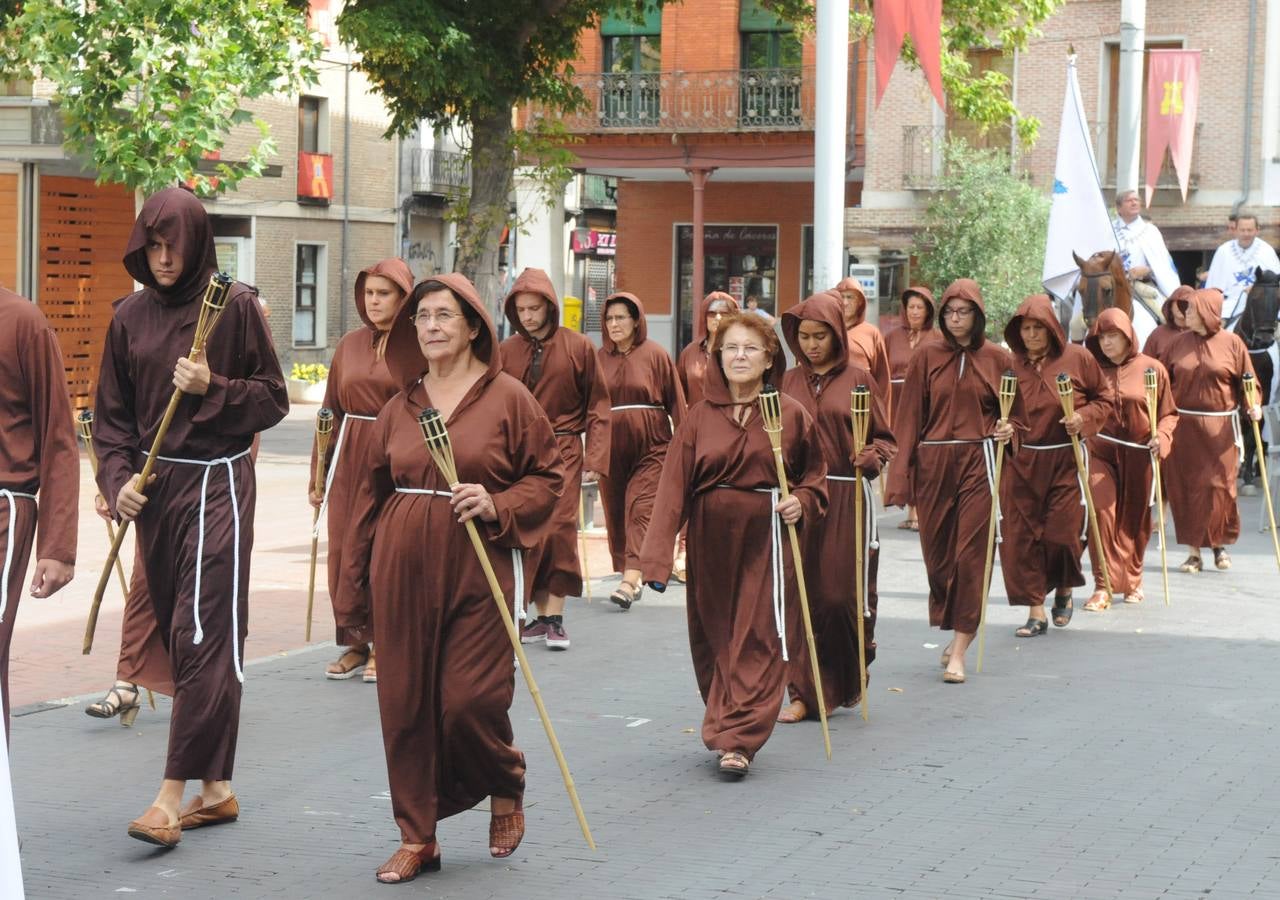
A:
307, 382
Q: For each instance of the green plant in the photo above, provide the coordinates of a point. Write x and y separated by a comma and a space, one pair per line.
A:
311, 373
986, 224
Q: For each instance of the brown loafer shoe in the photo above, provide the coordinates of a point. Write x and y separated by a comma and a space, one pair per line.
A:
197, 814
160, 835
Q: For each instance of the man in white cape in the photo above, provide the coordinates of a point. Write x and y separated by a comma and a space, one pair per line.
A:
1235, 265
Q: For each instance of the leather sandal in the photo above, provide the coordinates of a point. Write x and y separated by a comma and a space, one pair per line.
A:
1033, 628
197, 815
793, 712
953, 678
1191, 565
161, 835
506, 831
1221, 559
734, 764
1099, 602
347, 665
1135, 596
406, 865
370, 675
114, 704
626, 594
1062, 610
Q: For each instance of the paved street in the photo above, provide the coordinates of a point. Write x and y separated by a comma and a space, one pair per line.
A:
1129, 755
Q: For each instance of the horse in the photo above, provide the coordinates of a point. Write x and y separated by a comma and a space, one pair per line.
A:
1102, 285
1257, 327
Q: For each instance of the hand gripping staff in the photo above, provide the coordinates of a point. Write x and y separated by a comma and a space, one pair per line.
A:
436, 437
1250, 385
212, 306
84, 422
860, 404
1150, 383
1008, 390
771, 414
1066, 393
324, 428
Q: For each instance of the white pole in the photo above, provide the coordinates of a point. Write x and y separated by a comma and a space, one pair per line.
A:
829, 142
1133, 30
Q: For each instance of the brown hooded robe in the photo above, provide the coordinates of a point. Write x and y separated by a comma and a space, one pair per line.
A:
1040, 496
901, 343
717, 478
1201, 475
829, 561
1120, 474
866, 343
647, 399
204, 454
1166, 332
446, 681
950, 407
359, 386
692, 362
38, 457
561, 372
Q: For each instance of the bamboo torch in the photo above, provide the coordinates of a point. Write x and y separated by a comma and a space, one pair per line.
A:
436, 437
212, 306
860, 404
85, 423
771, 414
324, 428
1008, 391
1251, 400
582, 544
1151, 385
1066, 394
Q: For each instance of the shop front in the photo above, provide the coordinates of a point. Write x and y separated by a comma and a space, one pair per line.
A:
741, 260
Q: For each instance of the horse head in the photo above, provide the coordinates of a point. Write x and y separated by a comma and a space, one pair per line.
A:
1102, 284
1258, 324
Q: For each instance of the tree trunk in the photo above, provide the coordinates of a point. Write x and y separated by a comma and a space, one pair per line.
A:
480, 231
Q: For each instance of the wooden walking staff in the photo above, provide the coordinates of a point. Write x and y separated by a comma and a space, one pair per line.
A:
84, 422
771, 413
1251, 400
1151, 384
860, 403
436, 437
1066, 393
324, 428
1008, 391
212, 306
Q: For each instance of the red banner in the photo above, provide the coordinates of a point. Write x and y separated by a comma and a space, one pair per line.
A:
922, 19
315, 175
1173, 92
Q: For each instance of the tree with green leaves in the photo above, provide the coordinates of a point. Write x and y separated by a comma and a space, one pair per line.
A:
470, 63
149, 88
986, 224
982, 98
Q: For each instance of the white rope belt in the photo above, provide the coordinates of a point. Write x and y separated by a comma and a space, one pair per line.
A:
871, 528
517, 556
637, 406
775, 563
897, 381
333, 464
1151, 500
9, 496
1236, 434
209, 465
988, 460
1084, 455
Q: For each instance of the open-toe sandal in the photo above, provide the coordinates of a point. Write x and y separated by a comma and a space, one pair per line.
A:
734, 764
1221, 559
506, 831
1062, 610
625, 594
1099, 602
407, 865
114, 704
793, 712
1191, 565
347, 665
1033, 628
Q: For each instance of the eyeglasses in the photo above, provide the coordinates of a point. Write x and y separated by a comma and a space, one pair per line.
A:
614, 320
958, 312
444, 319
717, 314
732, 350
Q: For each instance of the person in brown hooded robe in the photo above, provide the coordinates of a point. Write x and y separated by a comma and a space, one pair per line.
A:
1173, 325
866, 343
914, 328
359, 386
1041, 499
195, 520
1122, 457
38, 458
648, 401
823, 383
447, 680
720, 478
1206, 365
946, 428
558, 365
692, 362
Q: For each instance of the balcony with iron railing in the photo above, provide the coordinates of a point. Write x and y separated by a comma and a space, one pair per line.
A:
754, 100
440, 172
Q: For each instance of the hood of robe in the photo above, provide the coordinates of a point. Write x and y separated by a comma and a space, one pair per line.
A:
1037, 308
394, 269
1208, 303
1181, 292
700, 322
532, 281
965, 289
1111, 319
929, 306
404, 356
637, 310
819, 308
715, 386
177, 216
859, 299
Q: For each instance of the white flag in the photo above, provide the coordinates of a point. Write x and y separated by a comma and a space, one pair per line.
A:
10, 866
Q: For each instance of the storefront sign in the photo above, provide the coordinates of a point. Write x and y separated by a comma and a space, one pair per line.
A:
601, 243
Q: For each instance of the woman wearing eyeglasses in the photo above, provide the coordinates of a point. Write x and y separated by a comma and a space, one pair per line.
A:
720, 478
946, 427
447, 681
647, 402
